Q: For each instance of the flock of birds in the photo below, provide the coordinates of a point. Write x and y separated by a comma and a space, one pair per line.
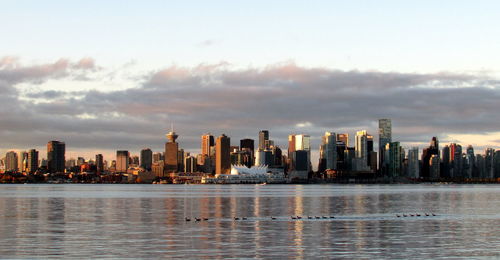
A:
317, 217
415, 215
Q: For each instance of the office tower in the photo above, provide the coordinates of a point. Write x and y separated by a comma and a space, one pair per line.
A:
180, 159
171, 153
222, 155
299, 143
456, 162
56, 156
341, 147
263, 137
489, 163
343, 138
469, 162
480, 165
434, 163
395, 159
329, 147
146, 159
413, 164
496, 160
207, 141
122, 161
22, 161
247, 143
278, 156
371, 155
157, 157
190, 164
361, 151
135, 160
385, 137
32, 161
11, 162
426, 157
99, 163
445, 162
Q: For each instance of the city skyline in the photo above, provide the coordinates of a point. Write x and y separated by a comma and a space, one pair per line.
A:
118, 83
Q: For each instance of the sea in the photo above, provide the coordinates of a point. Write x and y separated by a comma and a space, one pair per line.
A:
325, 221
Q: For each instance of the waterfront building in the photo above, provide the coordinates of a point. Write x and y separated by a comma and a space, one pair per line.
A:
56, 156
427, 153
489, 163
395, 159
32, 161
445, 162
122, 161
413, 163
263, 137
328, 150
171, 153
146, 159
190, 164
99, 163
11, 162
361, 150
385, 137
456, 161
434, 164
22, 161
222, 155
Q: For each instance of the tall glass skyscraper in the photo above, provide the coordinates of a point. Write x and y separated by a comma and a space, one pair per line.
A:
385, 137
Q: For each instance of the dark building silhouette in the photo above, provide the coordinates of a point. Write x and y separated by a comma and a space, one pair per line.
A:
427, 153
146, 158
56, 156
99, 163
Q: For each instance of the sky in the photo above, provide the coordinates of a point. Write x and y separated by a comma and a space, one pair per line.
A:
109, 75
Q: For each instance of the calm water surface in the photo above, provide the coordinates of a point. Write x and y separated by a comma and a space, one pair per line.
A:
147, 221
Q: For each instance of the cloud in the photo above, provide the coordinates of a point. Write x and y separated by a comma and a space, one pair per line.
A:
218, 98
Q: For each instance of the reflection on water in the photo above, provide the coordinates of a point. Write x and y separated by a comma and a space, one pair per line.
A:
148, 221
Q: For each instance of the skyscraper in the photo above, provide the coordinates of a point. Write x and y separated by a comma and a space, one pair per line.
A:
146, 159
330, 150
385, 137
247, 143
222, 155
300, 142
11, 161
263, 137
22, 161
395, 159
122, 161
32, 161
99, 163
56, 156
171, 153
413, 164
427, 153
207, 141
456, 161
343, 138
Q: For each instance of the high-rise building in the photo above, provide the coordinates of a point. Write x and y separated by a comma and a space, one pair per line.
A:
146, 159
445, 162
469, 162
385, 137
207, 141
489, 162
434, 164
395, 159
247, 143
263, 137
22, 161
99, 163
171, 153
456, 162
496, 160
190, 164
122, 161
413, 163
11, 162
56, 156
300, 142
328, 150
222, 155
426, 157
157, 157
343, 138
32, 161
